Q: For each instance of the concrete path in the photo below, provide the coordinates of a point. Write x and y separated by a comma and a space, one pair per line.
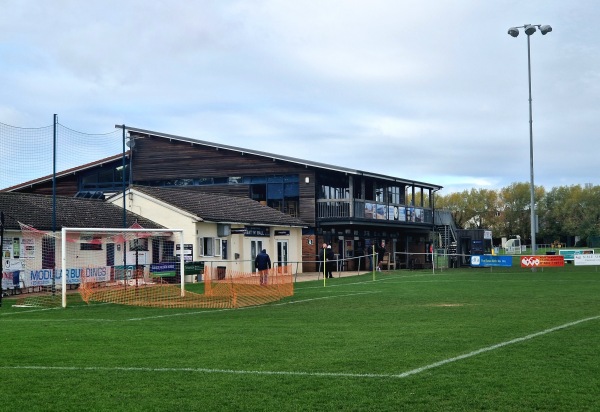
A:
303, 277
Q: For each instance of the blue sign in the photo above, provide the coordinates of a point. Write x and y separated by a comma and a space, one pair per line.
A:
484, 261
163, 269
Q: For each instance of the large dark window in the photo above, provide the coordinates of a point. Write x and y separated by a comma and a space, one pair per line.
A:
396, 195
333, 187
369, 190
90, 242
106, 178
379, 191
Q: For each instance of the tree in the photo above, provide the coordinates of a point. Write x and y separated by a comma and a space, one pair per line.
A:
563, 212
552, 211
457, 204
484, 208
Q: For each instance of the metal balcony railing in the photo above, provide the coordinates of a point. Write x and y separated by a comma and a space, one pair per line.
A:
333, 209
340, 209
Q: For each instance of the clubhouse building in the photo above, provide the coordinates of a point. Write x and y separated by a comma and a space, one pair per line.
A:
315, 202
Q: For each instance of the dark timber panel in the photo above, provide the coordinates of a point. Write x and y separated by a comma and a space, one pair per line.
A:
158, 158
65, 186
307, 197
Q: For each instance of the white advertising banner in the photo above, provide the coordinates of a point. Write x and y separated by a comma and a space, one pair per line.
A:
587, 260
10, 267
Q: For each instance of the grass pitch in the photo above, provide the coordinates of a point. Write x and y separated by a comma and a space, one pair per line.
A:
462, 339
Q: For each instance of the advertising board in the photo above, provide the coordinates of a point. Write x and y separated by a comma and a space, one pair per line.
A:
542, 261
483, 261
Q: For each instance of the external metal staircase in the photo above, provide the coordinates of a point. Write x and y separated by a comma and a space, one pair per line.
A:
446, 229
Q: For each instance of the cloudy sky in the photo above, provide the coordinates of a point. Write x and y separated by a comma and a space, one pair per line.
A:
430, 90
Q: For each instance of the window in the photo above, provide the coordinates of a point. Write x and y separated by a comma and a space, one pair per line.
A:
168, 249
333, 187
394, 195
369, 191
204, 181
224, 249
210, 246
331, 192
379, 190
140, 245
105, 178
90, 242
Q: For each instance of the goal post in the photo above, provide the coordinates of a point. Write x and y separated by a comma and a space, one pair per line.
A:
121, 247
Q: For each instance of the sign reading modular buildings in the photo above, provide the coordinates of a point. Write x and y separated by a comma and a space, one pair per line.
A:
542, 261
484, 261
43, 277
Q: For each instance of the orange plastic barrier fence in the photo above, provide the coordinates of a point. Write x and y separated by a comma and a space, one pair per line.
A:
222, 289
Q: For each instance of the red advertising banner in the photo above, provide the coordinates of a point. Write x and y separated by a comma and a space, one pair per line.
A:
542, 261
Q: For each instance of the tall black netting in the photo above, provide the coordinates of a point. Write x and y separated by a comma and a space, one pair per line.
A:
31, 153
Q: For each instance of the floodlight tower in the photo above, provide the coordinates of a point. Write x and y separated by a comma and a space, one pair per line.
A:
514, 32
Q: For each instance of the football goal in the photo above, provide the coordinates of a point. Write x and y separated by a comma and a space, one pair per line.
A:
135, 266
117, 264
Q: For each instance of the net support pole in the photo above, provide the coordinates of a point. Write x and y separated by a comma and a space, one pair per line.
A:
54, 196
374, 257
181, 265
63, 252
324, 267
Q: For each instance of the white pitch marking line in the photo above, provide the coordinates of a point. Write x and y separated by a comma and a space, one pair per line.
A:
186, 313
314, 374
248, 307
493, 347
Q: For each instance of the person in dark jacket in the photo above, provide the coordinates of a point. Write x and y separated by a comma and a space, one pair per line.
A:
380, 254
330, 265
323, 259
263, 264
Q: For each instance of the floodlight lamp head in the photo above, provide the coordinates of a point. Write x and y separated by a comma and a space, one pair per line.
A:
513, 31
546, 28
529, 29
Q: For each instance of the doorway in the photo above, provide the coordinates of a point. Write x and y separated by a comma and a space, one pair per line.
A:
282, 253
255, 247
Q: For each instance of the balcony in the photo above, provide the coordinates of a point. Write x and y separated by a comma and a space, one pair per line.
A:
368, 210
338, 209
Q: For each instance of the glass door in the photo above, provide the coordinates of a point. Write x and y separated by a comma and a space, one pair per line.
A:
282, 252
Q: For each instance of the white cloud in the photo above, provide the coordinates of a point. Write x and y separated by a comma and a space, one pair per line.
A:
427, 90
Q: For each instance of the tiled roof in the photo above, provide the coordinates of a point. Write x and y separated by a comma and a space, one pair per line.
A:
220, 208
36, 210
